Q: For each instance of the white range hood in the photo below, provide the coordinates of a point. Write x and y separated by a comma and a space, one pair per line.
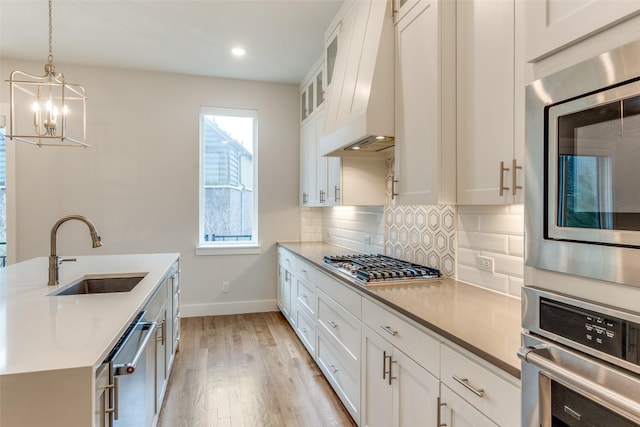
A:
359, 114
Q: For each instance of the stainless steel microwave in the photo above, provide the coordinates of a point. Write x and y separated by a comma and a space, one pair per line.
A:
582, 170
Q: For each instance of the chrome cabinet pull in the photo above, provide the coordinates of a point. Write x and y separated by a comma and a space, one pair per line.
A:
305, 198
391, 362
303, 295
502, 171
333, 369
389, 330
322, 198
393, 187
514, 180
332, 324
465, 382
336, 193
439, 413
386, 374
384, 365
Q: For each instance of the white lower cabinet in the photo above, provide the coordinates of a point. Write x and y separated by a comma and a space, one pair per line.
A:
388, 370
102, 406
396, 391
342, 372
456, 412
493, 393
306, 330
286, 291
339, 332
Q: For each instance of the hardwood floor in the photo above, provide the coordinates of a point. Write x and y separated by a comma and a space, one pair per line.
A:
247, 370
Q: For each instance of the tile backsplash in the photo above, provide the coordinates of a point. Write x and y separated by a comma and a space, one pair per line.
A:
360, 228
496, 232
446, 237
422, 234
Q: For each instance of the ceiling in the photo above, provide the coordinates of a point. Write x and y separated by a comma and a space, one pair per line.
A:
283, 38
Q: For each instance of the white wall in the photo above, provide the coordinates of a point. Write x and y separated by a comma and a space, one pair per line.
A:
139, 180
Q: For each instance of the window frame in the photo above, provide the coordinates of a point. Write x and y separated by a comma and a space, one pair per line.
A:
245, 247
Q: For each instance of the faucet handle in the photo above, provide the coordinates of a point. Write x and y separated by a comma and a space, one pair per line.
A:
61, 260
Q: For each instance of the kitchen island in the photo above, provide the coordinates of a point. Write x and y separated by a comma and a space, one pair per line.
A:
52, 346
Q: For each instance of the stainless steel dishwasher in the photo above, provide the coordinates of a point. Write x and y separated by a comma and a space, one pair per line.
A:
132, 372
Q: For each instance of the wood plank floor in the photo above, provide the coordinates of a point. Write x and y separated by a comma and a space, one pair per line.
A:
247, 370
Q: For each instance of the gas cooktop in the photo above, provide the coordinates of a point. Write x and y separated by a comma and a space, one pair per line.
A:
379, 268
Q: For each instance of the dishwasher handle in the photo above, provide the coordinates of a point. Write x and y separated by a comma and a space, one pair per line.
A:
148, 331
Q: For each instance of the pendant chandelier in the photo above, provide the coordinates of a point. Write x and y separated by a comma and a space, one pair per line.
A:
46, 110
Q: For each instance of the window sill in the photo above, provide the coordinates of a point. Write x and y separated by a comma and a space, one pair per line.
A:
228, 250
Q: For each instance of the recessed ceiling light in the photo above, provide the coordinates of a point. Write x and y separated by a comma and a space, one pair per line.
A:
238, 52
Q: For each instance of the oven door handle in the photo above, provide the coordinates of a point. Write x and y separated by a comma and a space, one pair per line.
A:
531, 355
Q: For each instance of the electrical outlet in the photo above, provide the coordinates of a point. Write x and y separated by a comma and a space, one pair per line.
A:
225, 287
485, 263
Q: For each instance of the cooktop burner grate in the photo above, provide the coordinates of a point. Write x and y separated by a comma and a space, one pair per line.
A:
379, 268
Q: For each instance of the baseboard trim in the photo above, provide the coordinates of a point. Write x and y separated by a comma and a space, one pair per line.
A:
222, 308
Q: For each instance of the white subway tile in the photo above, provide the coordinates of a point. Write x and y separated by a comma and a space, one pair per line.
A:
497, 282
483, 241
468, 222
502, 224
483, 209
509, 265
515, 286
516, 246
466, 257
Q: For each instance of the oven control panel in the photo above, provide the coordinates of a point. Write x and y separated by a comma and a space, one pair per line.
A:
608, 334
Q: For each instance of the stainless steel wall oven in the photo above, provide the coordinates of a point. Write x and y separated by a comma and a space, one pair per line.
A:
581, 363
583, 168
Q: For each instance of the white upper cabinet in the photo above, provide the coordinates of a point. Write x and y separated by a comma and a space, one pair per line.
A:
490, 104
425, 146
552, 25
402, 7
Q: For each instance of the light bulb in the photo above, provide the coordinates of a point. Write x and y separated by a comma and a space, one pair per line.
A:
35, 106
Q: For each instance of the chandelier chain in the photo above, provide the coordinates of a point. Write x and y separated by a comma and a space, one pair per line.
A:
50, 57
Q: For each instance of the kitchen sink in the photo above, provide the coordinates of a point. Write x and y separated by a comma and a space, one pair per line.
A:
101, 284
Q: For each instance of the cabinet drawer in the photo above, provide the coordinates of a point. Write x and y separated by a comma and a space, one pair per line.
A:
306, 272
306, 330
307, 299
500, 400
287, 259
415, 343
340, 325
340, 292
343, 375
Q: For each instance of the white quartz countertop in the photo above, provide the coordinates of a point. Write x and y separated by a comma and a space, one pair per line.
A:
484, 322
39, 332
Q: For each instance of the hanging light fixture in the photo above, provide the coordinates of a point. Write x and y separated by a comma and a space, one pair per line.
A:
46, 110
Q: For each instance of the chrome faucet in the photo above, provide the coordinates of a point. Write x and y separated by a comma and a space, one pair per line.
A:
54, 259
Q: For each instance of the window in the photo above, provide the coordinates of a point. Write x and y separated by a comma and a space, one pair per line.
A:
228, 184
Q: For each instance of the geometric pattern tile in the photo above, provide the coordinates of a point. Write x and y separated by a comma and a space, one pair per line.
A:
422, 234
